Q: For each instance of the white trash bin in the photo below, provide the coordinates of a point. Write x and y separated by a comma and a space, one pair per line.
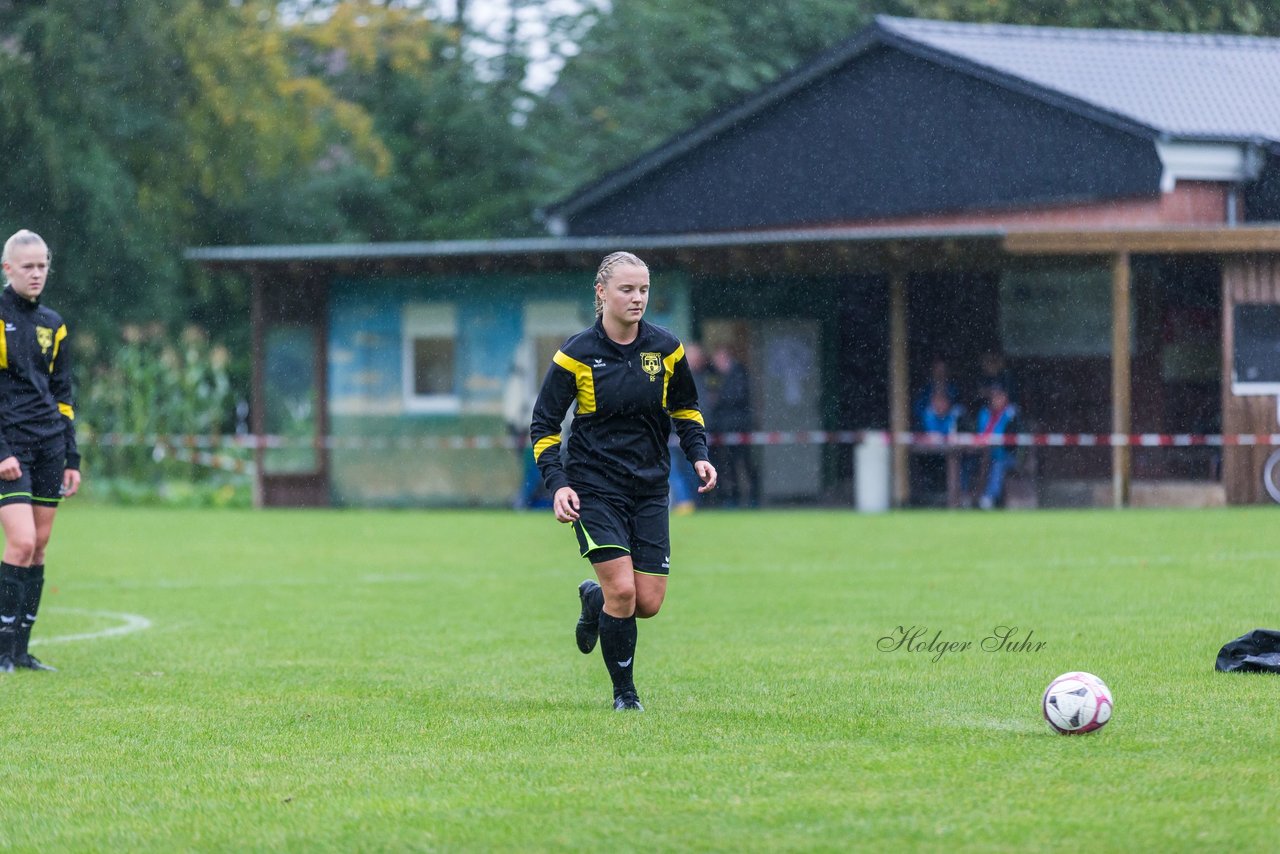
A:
873, 473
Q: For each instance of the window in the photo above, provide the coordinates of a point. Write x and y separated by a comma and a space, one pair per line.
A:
1058, 312
430, 335
291, 397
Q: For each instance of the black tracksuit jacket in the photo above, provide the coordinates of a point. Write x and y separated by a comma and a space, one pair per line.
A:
35, 377
627, 398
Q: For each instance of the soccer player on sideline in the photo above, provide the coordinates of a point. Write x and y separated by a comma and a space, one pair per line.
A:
630, 381
39, 464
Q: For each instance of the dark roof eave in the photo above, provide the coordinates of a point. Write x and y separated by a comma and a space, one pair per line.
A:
535, 246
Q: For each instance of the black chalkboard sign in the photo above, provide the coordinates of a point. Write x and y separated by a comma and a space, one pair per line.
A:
1255, 364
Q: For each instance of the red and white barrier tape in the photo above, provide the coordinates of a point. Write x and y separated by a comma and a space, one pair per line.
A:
1086, 440
762, 438
978, 440
210, 451
223, 462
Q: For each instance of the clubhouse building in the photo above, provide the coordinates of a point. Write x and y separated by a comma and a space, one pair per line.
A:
1101, 208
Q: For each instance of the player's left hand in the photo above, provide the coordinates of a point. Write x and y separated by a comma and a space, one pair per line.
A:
707, 473
70, 482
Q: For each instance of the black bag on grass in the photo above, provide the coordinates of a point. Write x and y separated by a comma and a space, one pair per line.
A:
1256, 652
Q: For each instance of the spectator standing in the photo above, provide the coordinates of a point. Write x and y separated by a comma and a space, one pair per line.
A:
996, 419
517, 411
684, 480
731, 412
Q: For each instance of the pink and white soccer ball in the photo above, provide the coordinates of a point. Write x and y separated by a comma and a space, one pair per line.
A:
1076, 703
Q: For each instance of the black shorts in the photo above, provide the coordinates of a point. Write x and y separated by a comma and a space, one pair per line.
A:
43, 462
610, 526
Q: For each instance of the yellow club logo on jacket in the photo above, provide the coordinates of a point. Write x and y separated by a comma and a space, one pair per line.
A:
652, 364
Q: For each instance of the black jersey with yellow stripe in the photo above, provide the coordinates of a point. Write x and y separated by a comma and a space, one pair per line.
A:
626, 398
35, 376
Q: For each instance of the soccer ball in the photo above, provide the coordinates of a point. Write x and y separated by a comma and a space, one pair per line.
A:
1077, 703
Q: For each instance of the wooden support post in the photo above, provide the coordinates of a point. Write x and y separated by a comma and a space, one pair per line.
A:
257, 381
1246, 279
899, 393
1121, 398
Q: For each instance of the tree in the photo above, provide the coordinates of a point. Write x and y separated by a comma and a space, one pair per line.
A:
136, 123
458, 169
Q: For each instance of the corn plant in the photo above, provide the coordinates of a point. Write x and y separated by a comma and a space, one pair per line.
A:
137, 393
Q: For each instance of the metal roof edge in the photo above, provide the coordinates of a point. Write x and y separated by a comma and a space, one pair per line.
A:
901, 38
554, 245
348, 251
1059, 32
1021, 85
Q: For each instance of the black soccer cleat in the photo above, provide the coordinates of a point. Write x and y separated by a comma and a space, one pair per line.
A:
627, 702
587, 632
6, 663
30, 662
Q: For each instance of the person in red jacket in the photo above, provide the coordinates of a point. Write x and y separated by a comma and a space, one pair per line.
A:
39, 463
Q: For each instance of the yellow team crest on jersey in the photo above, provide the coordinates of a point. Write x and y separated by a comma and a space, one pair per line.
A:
44, 337
652, 364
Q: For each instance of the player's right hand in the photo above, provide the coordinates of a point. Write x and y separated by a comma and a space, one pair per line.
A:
10, 469
565, 504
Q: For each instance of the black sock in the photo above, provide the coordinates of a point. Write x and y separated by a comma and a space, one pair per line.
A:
30, 604
618, 646
11, 578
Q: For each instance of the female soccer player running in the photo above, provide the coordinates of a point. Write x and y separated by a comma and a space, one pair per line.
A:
630, 381
39, 464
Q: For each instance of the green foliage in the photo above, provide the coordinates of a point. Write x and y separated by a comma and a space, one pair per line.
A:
134, 124
340, 681
459, 170
145, 388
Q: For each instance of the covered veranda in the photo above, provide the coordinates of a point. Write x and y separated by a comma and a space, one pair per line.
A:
290, 286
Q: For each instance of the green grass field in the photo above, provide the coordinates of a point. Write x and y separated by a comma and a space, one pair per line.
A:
341, 681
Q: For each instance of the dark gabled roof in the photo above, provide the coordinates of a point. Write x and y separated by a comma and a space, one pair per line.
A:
1172, 85
1186, 86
